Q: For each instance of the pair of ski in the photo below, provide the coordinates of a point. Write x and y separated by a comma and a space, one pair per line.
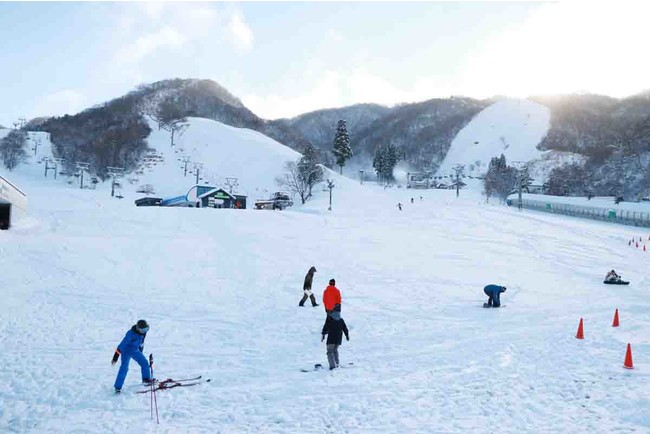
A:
170, 383
319, 367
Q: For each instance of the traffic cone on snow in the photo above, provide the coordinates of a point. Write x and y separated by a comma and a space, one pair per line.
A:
615, 323
581, 332
628, 358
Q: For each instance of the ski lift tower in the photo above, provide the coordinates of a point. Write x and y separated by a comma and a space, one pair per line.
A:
231, 183
82, 167
115, 173
520, 166
197, 170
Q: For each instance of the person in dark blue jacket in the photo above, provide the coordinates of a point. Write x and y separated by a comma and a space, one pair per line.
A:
334, 328
131, 347
494, 294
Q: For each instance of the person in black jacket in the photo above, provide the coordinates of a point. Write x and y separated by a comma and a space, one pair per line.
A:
334, 328
306, 287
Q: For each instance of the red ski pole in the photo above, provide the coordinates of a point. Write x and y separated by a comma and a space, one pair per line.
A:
153, 390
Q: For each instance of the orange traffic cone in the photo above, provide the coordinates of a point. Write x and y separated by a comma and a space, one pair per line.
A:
615, 323
628, 358
581, 332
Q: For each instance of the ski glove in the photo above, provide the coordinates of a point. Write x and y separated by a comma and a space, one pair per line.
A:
115, 357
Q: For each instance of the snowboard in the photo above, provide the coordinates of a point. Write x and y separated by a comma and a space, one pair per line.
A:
620, 282
319, 367
485, 305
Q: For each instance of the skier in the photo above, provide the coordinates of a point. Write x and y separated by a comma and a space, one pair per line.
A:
306, 287
131, 348
612, 277
399, 205
334, 328
331, 296
411, 200
494, 294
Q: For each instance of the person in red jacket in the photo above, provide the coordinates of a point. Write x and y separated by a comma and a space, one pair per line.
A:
331, 296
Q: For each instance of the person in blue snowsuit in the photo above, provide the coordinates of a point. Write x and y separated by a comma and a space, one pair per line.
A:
494, 294
131, 347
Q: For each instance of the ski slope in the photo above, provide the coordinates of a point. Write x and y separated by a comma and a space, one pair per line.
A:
220, 289
512, 127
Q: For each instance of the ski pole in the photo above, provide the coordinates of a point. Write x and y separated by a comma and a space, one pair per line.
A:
154, 400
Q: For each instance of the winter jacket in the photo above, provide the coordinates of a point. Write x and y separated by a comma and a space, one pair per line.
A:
493, 289
309, 278
132, 342
331, 297
334, 328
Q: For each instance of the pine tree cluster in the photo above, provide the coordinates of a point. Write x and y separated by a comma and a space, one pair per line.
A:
384, 162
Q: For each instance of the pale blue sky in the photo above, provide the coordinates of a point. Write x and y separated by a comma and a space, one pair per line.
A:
283, 59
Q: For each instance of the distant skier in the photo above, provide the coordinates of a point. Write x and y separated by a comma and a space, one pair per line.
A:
306, 287
411, 200
331, 296
494, 294
334, 328
399, 205
612, 277
131, 347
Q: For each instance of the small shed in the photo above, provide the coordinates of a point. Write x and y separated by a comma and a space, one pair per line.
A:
13, 203
220, 198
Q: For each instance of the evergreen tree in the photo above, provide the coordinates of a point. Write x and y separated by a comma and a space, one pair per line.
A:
384, 162
342, 150
309, 168
500, 179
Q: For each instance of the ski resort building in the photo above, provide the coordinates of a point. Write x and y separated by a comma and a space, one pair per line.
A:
205, 196
13, 203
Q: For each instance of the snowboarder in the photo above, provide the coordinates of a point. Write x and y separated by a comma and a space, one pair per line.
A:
612, 277
306, 287
331, 296
131, 347
494, 294
334, 328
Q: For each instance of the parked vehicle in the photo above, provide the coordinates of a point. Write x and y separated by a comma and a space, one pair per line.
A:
278, 200
149, 201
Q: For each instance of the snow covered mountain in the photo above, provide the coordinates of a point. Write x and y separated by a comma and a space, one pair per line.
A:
512, 127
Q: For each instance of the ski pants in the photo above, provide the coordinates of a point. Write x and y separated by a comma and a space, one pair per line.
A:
333, 355
495, 297
310, 295
124, 367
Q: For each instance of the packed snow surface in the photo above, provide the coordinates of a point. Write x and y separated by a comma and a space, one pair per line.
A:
512, 127
220, 289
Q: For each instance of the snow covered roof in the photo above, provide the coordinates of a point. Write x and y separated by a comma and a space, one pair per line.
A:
214, 190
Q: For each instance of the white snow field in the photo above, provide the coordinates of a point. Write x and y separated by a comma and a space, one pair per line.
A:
512, 127
220, 289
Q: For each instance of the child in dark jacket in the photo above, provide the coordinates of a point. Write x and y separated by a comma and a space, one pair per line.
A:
334, 328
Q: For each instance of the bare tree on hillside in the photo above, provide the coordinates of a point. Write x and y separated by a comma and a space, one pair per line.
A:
171, 118
293, 181
12, 148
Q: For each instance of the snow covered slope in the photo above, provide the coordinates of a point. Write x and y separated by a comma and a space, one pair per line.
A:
224, 151
512, 127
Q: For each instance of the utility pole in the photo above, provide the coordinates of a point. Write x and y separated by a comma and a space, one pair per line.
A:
82, 168
330, 185
197, 169
185, 159
114, 172
52, 164
231, 183
458, 168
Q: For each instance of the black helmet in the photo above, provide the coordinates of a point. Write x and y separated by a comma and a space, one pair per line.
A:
142, 326
332, 282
